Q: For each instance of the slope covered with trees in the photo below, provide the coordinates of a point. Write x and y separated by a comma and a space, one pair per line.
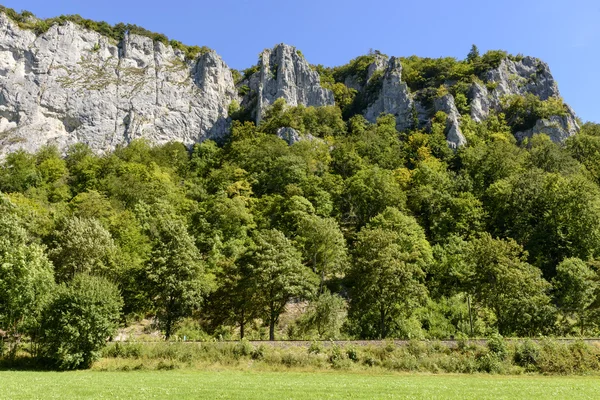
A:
381, 234
376, 232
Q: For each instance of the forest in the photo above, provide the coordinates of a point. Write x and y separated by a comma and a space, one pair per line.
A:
377, 233
370, 232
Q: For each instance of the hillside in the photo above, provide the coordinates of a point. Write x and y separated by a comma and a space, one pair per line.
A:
391, 197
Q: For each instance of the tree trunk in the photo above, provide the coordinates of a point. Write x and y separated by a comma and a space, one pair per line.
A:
272, 324
168, 327
382, 324
242, 323
321, 284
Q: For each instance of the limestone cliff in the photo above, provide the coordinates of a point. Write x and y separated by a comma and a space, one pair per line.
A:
528, 75
71, 85
394, 96
284, 73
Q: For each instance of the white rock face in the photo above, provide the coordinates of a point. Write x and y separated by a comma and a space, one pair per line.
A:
454, 136
558, 128
529, 75
72, 85
394, 97
480, 102
285, 74
291, 136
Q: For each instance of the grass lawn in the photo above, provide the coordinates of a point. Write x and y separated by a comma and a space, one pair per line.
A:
228, 384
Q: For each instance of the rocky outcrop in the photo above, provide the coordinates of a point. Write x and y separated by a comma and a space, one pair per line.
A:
72, 85
454, 136
380, 63
394, 97
480, 101
558, 128
285, 74
291, 136
529, 75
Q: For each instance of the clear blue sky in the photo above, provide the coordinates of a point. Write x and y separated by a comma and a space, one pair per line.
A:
565, 34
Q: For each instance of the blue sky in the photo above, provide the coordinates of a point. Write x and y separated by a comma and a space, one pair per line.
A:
565, 34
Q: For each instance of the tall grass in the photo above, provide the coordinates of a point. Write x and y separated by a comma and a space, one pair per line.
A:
497, 357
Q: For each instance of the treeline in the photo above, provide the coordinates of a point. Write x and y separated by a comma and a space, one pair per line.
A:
375, 233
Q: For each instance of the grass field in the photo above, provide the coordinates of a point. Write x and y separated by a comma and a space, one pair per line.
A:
230, 384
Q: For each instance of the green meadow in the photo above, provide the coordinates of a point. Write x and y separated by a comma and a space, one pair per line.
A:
228, 384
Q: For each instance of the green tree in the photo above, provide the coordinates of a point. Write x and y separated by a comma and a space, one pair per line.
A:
325, 316
78, 321
473, 55
175, 276
585, 148
440, 206
388, 273
323, 246
575, 285
500, 279
18, 172
83, 245
53, 173
26, 276
551, 215
236, 297
85, 168
278, 275
368, 193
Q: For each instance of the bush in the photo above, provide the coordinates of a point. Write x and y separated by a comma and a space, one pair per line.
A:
243, 348
78, 321
352, 353
527, 354
489, 363
258, 353
123, 350
522, 112
315, 348
497, 345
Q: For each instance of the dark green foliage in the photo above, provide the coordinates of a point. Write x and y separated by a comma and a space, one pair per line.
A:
248, 72
175, 278
473, 55
500, 279
522, 112
420, 73
391, 255
77, 322
277, 275
357, 68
